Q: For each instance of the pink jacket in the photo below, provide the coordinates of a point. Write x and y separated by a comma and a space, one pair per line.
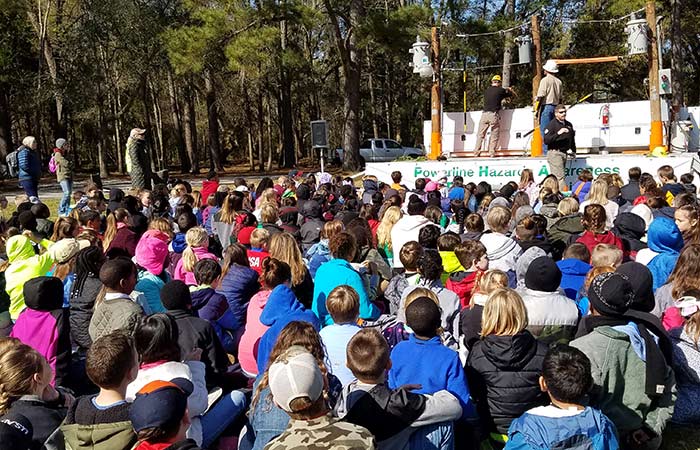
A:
188, 277
248, 347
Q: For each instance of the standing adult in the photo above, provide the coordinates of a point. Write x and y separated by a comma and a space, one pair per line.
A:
138, 161
549, 94
559, 135
29, 163
64, 174
493, 97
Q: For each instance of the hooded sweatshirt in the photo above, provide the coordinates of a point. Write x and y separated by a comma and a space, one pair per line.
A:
665, 239
462, 284
116, 196
450, 264
523, 263
25, 264
370, 188
405, 230
573, 275
333, 274
188, 277
282, 307
590, 240
502, 251
449, 302
254, 330
630, 228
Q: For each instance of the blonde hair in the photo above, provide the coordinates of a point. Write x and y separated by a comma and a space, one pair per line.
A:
284, 247
196, 237
118, 215
161, 224
260, 237
389, 219
18, 365
492, 280
504, 314
268, 196
418, 293
343, 304
598, 194
498, 218
551, 183
606, 255
568, 206
269, 212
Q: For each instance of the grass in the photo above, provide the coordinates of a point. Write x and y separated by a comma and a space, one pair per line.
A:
52, 203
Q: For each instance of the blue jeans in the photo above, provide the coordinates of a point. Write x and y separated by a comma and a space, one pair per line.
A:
439, 436
546, 117
64, 206
31, 187
221, 415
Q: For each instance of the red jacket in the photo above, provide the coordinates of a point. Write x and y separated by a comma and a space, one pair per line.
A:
590, 240
256, 258
462, 284
208, 187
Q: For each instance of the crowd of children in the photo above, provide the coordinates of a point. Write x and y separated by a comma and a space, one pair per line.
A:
305, 312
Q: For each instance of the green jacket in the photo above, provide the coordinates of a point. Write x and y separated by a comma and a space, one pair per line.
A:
64, 167
619, 382
104, 436
25, 264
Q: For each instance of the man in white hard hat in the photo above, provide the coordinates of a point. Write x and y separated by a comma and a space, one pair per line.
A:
493, 97
549, 94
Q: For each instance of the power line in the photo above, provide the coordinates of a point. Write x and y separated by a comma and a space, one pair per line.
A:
609, 21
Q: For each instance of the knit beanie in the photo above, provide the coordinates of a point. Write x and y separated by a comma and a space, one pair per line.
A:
642, 283
175, 295
543, 275
43, 293
611, 294
60, 142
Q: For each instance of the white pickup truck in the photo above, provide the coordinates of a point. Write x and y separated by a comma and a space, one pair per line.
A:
382, 150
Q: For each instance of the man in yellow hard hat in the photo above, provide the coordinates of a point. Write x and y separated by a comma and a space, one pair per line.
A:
493, 97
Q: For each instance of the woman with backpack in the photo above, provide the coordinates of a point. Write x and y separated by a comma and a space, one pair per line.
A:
29, 167
63, 168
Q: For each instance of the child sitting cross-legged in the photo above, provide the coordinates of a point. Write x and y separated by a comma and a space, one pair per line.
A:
472, 256
398, 418
343, 305
566, 378
102, 421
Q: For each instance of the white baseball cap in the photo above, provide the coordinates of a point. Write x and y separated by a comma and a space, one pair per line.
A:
295, 374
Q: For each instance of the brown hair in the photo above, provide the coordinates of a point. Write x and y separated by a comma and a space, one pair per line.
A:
18, 365
343, 246
594, 218
585, 175
284, 247
331, 228
469, 253
526, 177
447, 242
343, 304
161, 224
474, 223
594, 272
65, 227
526, 229
578, 251
275, 272
686, 273
666, 172
109, 359
693, 235
368, 355
409, 255
295, 333
504, 314
234, 254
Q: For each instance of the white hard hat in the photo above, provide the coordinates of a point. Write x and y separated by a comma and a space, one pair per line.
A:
551, 66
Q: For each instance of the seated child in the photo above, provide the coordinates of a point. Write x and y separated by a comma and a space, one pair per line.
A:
445, 370
102, 420
408, 255
574, 266
593, 221
197, 249
259, 242
470, 318
447, 242
606, 255
502, 251
117, 310
395, 417
211, 305
472, 255
473, 227
566, 378
343, 305
159, 415
43, 225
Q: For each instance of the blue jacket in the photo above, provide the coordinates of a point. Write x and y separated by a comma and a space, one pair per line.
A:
590, 429
179, 244
664, 238
29, 164
282, 307
573, 274
212, 307
332, 274
433, 366
150, 285
238, 286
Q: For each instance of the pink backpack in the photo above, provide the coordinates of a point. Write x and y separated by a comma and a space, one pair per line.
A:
52, 165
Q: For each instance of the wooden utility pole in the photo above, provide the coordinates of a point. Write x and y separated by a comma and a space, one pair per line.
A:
435, 107
657, 128
536, 144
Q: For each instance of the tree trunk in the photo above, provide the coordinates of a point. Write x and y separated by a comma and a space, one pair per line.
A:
261, 131
5, 124
150, 137
508, 43
287, 122
185, 165
213, 119
372, 100
189, 119
677, 65
268, 123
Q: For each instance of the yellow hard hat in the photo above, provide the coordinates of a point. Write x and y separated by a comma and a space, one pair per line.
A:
496, 78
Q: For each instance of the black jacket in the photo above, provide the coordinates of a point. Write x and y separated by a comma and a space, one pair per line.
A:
630, 191
310, 233
304, 291
45, 419
199, 333
470, 323
561, 142
630, 228
503, 374
82, 304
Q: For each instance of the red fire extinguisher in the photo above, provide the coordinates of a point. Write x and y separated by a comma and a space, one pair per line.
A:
605, 116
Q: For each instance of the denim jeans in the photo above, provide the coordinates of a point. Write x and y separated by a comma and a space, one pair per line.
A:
67, 188
439, 436
31, 187
546, 117
221, 415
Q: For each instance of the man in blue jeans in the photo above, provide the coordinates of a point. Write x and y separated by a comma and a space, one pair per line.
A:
549, 94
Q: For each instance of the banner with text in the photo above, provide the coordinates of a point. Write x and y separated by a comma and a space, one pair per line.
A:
499, 171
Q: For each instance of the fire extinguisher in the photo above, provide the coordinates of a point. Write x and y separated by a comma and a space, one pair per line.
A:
605, 116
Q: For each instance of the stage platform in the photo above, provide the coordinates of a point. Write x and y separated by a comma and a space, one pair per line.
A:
498, 171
